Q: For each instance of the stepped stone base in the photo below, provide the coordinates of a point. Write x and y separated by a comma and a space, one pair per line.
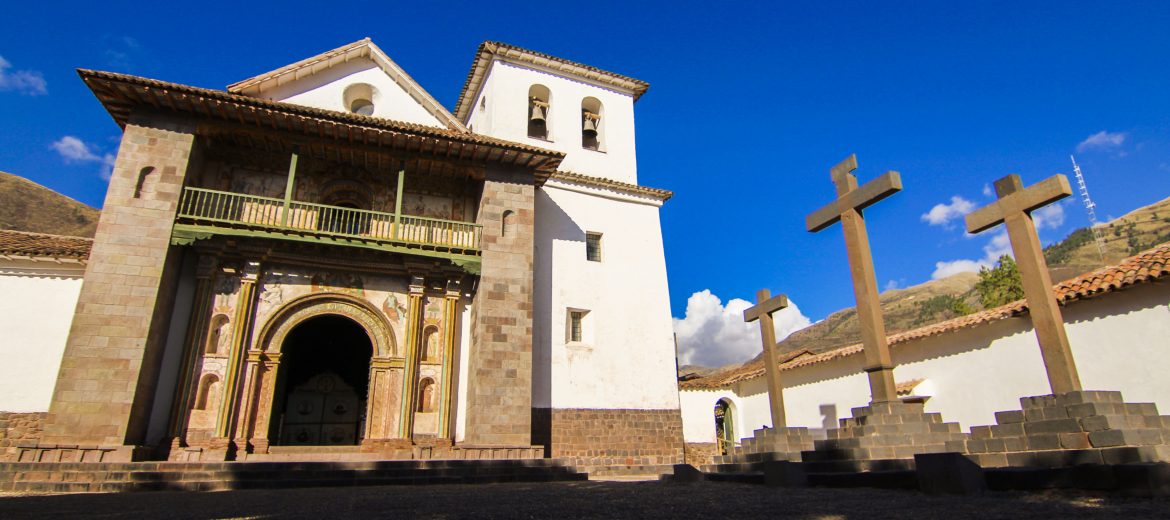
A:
770, 444
882, 436
55, 453
1086, 427
221, 476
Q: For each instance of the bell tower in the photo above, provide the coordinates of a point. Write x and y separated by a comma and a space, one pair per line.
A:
534, 99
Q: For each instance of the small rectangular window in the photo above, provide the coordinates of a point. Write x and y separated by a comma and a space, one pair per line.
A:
593, 247
575, 318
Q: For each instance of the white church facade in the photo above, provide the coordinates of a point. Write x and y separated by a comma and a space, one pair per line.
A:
324, 255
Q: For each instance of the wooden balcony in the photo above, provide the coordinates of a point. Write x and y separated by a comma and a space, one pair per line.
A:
204, 212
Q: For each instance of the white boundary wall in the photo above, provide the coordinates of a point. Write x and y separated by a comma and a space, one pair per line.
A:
1120, 340
37, 300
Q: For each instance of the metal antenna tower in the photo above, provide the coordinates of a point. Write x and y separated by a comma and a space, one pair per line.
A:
1090, 208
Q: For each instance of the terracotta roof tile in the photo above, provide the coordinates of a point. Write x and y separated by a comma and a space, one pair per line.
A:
42, 245
599, 182
1152, 264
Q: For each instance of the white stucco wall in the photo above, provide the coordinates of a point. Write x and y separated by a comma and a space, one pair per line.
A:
627, 357
505, 115
1120, 341
326, 90
35, 314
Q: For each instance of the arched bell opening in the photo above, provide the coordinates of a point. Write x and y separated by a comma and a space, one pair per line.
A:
322, 384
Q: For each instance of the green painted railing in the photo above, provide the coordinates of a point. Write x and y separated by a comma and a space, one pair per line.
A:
204, 206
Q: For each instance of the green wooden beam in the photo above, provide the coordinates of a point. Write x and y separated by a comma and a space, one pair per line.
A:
398, 199
288, 189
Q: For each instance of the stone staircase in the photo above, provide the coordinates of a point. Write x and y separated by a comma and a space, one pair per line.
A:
223, 476
768, 444
882, 437
1083, 427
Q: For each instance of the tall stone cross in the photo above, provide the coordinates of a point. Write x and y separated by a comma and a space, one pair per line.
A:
765, 305
851, 199
1014, 208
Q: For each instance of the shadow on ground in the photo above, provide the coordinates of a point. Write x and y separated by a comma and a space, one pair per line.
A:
578, 500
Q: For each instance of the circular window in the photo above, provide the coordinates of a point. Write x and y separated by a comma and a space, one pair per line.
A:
362, 106
359, 98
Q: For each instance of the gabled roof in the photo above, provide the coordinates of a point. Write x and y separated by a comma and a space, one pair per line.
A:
43, 245
1145, 267
121, 93
363, 48
489, 50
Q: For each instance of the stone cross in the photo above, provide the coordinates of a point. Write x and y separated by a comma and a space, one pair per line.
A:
851, 200
1014, 208
765, 305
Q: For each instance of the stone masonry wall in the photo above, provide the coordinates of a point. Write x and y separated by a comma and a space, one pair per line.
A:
19, 428
499, 396
107, 377
701, 453
590, 437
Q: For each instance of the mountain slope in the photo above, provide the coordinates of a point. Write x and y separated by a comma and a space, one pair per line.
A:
938, 300
28, 206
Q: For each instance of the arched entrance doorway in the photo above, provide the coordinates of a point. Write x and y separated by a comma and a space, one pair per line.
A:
323, 383
724, 426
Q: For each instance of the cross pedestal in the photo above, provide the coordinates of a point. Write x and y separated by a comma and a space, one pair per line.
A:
1070, 426
888, 432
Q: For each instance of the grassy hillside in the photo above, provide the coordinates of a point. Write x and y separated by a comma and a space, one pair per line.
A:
1133, 232
939, 300
28, 206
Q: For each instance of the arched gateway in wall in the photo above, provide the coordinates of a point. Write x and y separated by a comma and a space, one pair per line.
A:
332, 375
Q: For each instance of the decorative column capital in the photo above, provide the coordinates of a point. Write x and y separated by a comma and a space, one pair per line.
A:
250, 272
418, 285
454, 289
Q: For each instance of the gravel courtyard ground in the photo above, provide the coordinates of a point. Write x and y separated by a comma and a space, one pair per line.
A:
593, 499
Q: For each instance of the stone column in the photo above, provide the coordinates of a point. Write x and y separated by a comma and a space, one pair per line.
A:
385, 378
414, 314
450, 328
262, 423
243, 429
241, 330
499, 393
196, 340
109, 371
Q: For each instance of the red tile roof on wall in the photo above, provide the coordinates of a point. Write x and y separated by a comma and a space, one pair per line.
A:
1147, 266
42, 245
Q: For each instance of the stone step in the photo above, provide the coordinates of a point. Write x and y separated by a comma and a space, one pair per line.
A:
97, 477
739, 478
626, 470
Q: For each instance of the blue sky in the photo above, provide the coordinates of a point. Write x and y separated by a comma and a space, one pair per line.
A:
749, 106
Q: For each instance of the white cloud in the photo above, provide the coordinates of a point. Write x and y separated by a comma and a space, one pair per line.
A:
893, 284
24, 81
1102, 141
1048, 217
943, 214
73, 149
714, 335
987, 191
945, 269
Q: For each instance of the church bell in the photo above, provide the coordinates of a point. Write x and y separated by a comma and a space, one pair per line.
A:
589, 126
539, 110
